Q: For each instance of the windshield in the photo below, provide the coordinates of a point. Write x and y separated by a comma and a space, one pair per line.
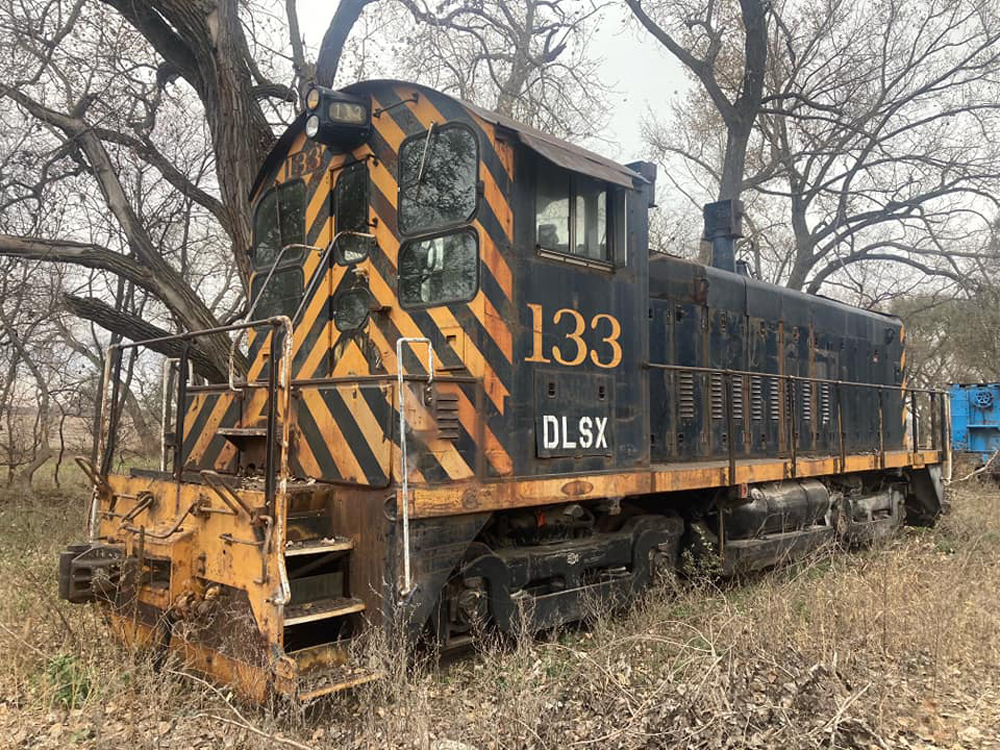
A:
280, 220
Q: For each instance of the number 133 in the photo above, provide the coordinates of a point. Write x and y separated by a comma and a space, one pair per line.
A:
607, 354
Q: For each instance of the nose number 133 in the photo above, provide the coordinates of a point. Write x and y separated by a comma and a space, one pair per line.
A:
606, 352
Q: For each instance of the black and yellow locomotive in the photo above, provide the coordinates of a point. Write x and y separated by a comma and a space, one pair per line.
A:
471, 394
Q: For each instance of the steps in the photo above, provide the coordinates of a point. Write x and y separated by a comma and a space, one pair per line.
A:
322, 616
322, 609
318, 546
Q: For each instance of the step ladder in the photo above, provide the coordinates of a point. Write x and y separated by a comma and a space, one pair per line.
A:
322, 617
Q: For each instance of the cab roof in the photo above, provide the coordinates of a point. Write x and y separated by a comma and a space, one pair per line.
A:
559, 152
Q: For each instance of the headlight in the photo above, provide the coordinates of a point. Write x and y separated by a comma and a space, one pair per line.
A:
352, 310
312, 98
312, 124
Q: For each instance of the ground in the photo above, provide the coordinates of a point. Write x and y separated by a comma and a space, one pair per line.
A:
892, 647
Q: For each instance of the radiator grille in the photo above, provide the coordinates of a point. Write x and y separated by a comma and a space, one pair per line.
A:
685, 395
756, 398
446, 415
737, 397
807, 407
824, 402
718, 409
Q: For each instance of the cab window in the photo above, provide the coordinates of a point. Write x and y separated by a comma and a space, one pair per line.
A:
280, 220
576, 215
439, 270
350, 198
280, 296
438, 172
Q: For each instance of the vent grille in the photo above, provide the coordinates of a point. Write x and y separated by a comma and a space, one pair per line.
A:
756, 398
685, 395
446, 415
807, 401
775, 400
718, 383
824, 402
738, 397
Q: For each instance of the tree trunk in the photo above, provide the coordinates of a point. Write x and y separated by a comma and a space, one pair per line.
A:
204, 43
739, 123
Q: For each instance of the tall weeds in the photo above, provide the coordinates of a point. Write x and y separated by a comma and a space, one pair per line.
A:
891, 646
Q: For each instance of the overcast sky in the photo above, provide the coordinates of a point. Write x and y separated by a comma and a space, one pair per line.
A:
645, 76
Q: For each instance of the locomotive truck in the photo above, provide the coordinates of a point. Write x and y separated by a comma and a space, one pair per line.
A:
466, 393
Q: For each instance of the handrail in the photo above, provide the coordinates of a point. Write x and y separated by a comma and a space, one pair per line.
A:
168, 364
939, 427
275, 471
307, 292
253, 306
783, 376
404, 471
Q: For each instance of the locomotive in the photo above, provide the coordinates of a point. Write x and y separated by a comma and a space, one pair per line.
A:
471, 395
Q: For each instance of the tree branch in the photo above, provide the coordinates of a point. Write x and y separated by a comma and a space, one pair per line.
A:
136, 329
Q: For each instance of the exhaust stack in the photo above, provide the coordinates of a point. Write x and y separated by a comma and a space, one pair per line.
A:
723, 225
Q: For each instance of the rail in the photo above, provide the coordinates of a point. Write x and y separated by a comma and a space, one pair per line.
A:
275, 467
403, 468
789, 411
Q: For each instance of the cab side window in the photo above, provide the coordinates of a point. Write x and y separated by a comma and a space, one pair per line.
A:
576, 215
438, 173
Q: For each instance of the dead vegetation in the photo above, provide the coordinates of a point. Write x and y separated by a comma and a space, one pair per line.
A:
890, 647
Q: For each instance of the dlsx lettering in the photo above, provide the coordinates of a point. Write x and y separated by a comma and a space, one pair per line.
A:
561, 432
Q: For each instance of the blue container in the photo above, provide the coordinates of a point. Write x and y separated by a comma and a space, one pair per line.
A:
975, 418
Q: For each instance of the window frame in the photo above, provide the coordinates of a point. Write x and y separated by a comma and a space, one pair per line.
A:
461, 229
611, 220
475, 184
292, 255
335, 198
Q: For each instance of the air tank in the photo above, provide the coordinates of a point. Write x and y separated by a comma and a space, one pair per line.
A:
777, 507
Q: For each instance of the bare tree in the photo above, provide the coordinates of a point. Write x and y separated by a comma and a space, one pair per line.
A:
700, 33
875, 144
105, 82
531, 60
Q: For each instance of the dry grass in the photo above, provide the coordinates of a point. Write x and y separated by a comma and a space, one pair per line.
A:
896, 646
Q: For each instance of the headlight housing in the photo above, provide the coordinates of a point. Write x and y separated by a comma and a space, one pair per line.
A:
337, 119
352, 310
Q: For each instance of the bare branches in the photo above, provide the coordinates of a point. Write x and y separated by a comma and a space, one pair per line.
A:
347, 14
875, 142
740, 104
82, 254
531, 60
136, 329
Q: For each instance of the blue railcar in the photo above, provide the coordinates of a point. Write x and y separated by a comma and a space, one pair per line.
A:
975, 418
